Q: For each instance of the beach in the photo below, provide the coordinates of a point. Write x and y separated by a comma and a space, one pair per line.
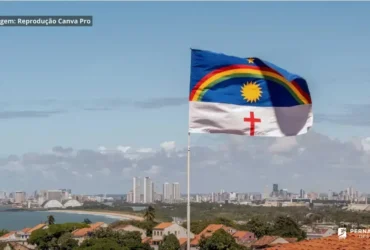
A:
113, 215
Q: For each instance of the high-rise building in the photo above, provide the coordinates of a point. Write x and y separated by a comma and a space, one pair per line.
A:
176, 191
275, 188
135, 190
148, 190
20, 197
167, 192
153, 193
54, 195
129, 197
301, 193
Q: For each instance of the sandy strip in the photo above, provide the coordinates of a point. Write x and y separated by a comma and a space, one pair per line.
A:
115, 215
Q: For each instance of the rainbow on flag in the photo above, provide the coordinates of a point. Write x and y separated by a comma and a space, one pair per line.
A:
246, 96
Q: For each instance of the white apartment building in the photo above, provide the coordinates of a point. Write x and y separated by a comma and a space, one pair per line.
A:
136, 190
148, 190
167, 192
176, 191
171, 191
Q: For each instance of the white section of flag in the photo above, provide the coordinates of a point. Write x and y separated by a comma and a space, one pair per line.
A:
209, 117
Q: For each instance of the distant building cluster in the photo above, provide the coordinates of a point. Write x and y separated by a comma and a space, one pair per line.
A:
59, 198
143, 191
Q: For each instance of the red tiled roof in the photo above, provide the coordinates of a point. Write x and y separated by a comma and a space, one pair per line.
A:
240, 234
25, 230
163, 225
183, 241
7, 235
84, 231
39, 226
352, 242
208, 232
265, 240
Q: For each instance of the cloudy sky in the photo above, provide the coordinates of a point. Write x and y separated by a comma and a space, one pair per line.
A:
88, 108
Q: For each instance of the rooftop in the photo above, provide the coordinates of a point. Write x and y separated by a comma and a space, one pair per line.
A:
352, 242
84, 231
39, 226
163, 225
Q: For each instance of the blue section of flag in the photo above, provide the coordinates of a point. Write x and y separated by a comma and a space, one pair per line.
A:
229, 91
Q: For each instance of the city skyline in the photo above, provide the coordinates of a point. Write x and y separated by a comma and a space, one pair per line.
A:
84, 111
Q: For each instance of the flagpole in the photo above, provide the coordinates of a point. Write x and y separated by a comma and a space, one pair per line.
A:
188, 205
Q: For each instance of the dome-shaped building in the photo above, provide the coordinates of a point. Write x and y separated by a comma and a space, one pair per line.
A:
52, 204
71, 203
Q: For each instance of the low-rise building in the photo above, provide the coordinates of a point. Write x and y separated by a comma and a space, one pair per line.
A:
131, 228
320, 233
269, 241
209, 231
81, 234
166, 228
244, 237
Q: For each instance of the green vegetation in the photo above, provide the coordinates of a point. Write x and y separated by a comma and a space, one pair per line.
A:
87, 221
170, 242
57, 236
3, 232
149, 214
220, 240
106, 238
51, 220
283, 226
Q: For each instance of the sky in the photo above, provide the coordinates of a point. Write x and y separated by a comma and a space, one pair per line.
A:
77, 103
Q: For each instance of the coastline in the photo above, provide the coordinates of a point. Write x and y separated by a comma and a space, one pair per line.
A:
115, 215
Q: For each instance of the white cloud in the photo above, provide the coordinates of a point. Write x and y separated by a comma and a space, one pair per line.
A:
296, 176
153, 170
102, 149
145, 150
283, 144
123, 149
238, 166
75, 173
168, 146
105, 171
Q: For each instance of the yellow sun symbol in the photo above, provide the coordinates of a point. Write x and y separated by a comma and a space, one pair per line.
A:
251, 92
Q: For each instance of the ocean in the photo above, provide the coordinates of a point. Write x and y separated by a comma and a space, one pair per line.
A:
22, 219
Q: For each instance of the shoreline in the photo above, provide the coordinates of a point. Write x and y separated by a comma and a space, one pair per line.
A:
115, 215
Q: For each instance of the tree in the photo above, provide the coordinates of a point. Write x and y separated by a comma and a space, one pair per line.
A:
257, 226
65, 242
50, 238
101, 244
285, 226
3, 232
51, 220
220, 240
127, 240
87, 221
170, 242
149, 214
